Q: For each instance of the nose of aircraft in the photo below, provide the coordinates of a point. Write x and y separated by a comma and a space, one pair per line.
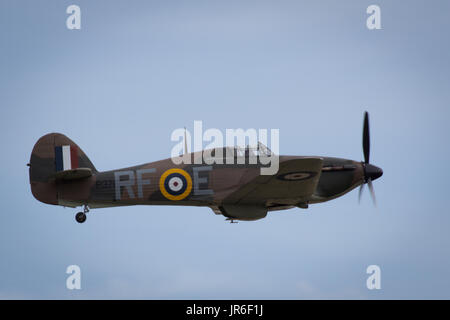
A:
372, 172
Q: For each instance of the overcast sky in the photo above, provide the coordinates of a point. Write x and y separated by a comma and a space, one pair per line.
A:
137, 70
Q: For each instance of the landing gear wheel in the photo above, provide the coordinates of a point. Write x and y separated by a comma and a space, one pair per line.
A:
80, 217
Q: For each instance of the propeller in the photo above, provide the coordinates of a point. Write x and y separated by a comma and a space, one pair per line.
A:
371, 172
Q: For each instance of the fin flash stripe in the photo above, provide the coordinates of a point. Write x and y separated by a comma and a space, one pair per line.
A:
66, 158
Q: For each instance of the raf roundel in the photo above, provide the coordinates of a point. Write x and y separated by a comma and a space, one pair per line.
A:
175, 184
296, 176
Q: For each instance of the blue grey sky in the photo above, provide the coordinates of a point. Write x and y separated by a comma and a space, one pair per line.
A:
137, 70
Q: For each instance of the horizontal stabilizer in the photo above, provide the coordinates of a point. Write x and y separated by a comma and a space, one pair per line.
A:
73, 174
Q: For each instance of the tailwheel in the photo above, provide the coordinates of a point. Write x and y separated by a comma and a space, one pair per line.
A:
80, 217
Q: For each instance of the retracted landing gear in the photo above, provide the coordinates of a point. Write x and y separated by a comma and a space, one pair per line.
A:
81, 216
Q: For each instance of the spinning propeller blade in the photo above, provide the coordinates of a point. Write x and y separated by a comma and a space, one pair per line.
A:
361, 188
366, 138
371, 172
372, 192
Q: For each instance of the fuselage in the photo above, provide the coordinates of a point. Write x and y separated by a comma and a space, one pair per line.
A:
209, 185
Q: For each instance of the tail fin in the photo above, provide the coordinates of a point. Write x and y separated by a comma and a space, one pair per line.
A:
51, 154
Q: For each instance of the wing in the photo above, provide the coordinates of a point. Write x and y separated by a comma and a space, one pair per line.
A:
295, 182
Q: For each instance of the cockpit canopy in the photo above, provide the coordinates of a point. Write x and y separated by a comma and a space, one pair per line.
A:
248, 151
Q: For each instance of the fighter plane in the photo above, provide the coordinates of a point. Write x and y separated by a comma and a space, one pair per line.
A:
61, 174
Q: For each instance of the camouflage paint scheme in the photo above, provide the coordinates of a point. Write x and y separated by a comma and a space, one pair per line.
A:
237, 191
